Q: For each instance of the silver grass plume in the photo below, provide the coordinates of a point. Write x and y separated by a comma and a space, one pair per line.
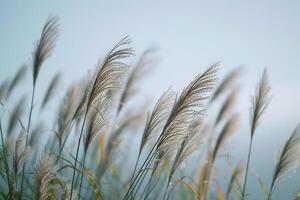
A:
20, 153
235, 183
109, 73
288, 159
260, 101
108, 76
44, 173
185, 109
51, 89
159, 115
45, 45
95, 122
259, 104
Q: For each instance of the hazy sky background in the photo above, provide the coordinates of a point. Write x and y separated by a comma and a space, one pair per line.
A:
190, 35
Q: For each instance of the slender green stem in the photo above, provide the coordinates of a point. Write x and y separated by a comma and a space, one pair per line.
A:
142, 177
81, 176
166, 191
135, 166
146, 189
145, 162
149, 188
61, 147
136, 180
269, 196
77, 153
27, 136
270, 191
247, 168
207, 185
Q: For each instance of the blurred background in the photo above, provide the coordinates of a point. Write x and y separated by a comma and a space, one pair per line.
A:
190, 35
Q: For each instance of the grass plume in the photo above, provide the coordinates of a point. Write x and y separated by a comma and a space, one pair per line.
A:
259, 104
288, 159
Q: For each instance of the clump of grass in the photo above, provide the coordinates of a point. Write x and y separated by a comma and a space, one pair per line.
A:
102, 108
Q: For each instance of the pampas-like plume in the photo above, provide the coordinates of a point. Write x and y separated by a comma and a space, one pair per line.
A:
43, 50
15, 115
51, 89
109, 73
108, 76
159, 115
289, 158
260, 101
20, 153
259, 104
45, 45
44, 173
235, 183
145, 63
16, 79
95, 122
227, 81
185, 109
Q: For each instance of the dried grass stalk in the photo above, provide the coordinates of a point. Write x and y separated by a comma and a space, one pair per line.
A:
189, 104
288, 159
44, 173
21, 152
260, 101
158, 118
109, 73
45, 45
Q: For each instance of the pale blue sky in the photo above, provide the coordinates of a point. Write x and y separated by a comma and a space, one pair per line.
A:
190, 35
